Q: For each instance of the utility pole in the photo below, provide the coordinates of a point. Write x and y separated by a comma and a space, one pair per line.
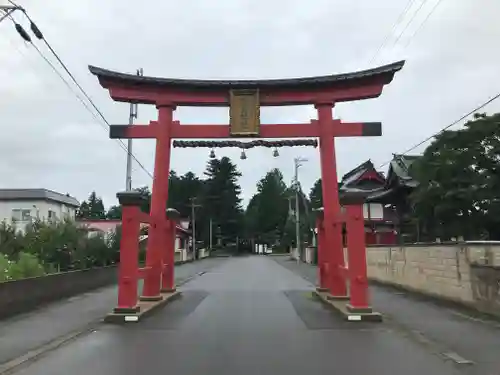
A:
210, 233
193, 223
132, 116
297, 164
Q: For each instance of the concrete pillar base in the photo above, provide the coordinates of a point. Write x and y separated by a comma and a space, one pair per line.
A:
348, 312
145, 308
166, 290
151, 298
126, 310
359, 310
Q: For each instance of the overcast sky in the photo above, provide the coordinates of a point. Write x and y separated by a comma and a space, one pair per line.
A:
49, 140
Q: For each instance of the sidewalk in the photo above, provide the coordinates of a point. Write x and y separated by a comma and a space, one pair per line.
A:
29, 331
448, 332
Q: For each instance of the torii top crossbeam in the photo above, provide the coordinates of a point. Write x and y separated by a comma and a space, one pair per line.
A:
273, 92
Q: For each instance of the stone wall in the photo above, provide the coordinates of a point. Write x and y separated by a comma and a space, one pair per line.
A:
468, 273
24, 295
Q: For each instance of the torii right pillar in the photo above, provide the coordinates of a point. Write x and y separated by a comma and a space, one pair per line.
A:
332, 247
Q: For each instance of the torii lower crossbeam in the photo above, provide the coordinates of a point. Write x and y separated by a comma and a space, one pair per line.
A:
202, 131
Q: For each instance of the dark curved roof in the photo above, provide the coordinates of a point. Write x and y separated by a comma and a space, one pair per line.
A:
110, 76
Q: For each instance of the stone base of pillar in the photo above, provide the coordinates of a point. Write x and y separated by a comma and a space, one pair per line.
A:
126, 310
168, 290
151, 298
321, 290
145, 308
340, 305
336, 298
359, 310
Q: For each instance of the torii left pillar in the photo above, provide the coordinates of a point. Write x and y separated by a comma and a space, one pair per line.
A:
159, 235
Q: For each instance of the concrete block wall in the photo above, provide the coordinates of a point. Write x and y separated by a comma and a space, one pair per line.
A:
468, 273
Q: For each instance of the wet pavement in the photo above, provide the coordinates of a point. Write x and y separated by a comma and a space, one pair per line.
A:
29, 331
248, 315
446, 331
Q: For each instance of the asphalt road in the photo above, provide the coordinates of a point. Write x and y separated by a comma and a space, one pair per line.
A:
247, 316
461, 336
26, 332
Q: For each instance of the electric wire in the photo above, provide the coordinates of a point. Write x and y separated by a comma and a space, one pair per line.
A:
421, 26
36, 31
490, 100
394, 26
410, 21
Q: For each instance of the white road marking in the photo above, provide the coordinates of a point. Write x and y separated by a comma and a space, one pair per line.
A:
457, 358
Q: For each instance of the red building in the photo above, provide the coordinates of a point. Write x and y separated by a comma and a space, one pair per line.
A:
380, 219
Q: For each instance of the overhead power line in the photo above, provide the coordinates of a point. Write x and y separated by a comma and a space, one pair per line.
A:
38, 34
410, 21
421, 26
393, 28
492, 99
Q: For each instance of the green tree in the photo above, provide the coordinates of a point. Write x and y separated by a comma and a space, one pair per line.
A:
146, 193
182, 189
316, 195
92, 208
267, 211
459, 181
114, 213
221, 199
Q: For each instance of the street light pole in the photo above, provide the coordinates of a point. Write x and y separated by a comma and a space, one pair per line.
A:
210, 234
193, 224
297, 163
132, 116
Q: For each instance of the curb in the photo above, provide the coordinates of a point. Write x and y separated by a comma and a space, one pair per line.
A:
31, 356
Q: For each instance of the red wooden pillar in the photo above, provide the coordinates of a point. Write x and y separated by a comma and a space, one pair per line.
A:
159, 196
331, 219
128, 275
356, 248
168, 274
322, 258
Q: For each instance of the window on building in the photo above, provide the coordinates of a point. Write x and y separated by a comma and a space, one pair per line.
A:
52, 216
21, 215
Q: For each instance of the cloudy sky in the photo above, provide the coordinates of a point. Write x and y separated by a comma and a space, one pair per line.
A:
49, 140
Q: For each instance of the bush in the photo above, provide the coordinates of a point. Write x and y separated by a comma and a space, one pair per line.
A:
26, 266
48, 248
11, 243
4, 268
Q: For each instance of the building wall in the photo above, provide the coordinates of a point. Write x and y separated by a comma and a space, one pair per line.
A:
38, 208
467, 273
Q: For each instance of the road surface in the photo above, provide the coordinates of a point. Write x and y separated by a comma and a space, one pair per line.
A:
27, 332
247, 316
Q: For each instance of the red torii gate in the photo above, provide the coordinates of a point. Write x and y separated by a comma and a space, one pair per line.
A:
244, 97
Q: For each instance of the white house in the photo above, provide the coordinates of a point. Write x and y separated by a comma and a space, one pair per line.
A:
21, 206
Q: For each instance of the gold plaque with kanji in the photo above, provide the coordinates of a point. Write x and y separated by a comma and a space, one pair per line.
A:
244, 112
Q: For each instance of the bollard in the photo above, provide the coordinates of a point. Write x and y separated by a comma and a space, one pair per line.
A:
168, 258
356, 250
128, 272
322, 252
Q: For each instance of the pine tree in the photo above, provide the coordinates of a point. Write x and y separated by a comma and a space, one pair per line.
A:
221, 199
316, 195
92, 208
267, 212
